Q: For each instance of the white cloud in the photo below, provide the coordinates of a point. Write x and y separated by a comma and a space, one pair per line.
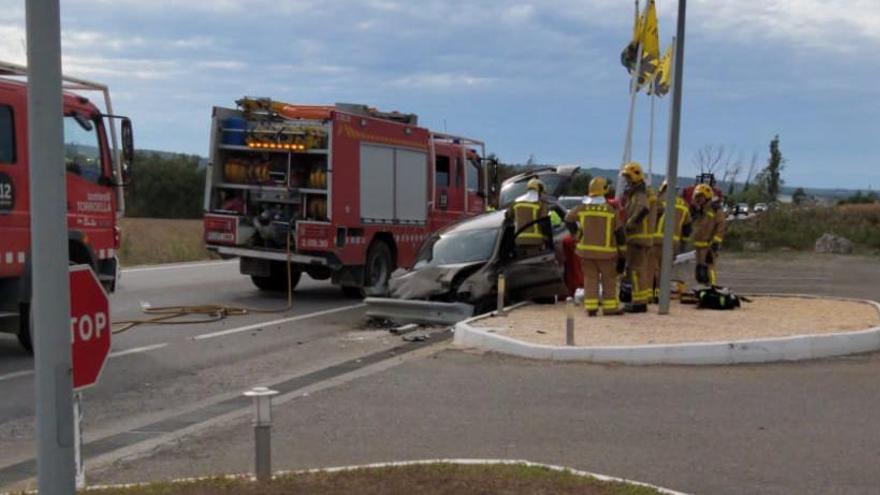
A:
441, 81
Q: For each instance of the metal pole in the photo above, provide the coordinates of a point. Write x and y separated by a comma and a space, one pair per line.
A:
77, 441
569, 321
633, 89
651, 138
262, 431
50, 301
672, 171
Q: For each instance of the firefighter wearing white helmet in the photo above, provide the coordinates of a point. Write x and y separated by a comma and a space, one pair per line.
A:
530, 219
708, 232
639, 229
600, 245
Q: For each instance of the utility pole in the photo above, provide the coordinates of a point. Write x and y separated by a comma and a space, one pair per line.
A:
50, 299
672, 167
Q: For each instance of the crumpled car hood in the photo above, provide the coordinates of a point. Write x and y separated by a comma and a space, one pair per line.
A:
427, 282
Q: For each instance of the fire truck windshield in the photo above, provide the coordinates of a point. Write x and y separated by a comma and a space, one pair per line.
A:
82, 151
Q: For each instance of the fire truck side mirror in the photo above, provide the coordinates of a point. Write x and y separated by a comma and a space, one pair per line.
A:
127, 150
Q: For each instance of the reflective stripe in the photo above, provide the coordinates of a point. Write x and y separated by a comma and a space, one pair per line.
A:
533, 231
717, 239
591, 303
612, 304
701, 244
609, 221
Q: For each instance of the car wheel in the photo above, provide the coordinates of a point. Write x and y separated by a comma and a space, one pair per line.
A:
377, 270
25, 337
277, 279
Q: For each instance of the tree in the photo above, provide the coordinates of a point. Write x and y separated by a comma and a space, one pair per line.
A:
170, 186
799, 196
751, 173
708, 158
770, 179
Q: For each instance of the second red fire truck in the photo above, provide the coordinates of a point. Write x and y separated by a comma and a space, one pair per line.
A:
345, 192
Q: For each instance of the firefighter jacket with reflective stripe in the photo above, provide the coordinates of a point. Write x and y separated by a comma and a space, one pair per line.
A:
709, 225
525, 213
641, 217
682, 218
599, 228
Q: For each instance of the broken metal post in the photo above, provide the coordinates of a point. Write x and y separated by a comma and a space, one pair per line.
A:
262, 431
502, 287
569, 321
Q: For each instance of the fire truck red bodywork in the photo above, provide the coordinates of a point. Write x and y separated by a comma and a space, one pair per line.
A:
92, 200
450, 182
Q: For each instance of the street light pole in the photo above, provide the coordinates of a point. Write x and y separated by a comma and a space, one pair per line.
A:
50, 295
672, 170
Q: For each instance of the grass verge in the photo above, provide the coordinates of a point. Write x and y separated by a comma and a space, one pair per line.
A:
148, 241
424, 479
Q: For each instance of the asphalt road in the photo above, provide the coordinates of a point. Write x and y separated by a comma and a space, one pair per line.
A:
784, 428
157, 371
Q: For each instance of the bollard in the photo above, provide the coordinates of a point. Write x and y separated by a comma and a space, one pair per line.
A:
262, 431
569, 321
502, 287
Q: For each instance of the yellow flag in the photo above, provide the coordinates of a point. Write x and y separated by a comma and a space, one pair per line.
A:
630, 52
663, 74
650, 40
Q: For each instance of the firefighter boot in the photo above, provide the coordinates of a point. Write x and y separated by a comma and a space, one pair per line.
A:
635, 308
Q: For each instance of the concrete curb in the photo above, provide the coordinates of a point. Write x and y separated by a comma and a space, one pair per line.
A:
776, 349
464, 462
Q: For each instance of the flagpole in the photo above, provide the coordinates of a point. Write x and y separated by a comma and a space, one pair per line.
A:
672, 163
633, 90
651, 134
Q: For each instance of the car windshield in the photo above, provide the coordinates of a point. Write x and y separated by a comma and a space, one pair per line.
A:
512, 191
468, 246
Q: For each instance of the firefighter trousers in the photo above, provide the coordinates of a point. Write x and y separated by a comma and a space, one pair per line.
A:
638, 266
604, 273
709, 259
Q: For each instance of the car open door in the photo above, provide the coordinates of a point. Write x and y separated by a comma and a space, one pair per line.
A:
555, 179
530, 275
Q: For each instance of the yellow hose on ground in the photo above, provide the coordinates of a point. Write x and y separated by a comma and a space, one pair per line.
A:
169, 315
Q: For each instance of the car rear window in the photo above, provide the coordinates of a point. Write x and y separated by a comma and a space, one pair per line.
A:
7, 135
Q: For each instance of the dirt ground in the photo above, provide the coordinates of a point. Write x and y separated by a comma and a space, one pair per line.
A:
762, 318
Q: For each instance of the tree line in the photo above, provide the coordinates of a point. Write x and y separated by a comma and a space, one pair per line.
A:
165, 186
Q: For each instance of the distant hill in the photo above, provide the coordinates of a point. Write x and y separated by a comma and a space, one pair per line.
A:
203, 161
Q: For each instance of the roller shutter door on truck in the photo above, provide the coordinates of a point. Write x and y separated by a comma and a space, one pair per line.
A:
393, 185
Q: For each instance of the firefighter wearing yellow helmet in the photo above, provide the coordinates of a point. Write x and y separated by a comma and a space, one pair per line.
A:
529, 213
639, 230
708, 232
681, 227
600, 244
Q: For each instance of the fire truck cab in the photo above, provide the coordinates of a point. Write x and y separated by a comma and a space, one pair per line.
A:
95, 177
342, 192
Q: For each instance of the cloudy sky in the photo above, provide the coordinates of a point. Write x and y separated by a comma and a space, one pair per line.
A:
528, 77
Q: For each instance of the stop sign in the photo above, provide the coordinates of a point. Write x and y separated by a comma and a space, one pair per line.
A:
89, 326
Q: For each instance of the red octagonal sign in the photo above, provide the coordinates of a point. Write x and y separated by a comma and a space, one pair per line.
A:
89, 326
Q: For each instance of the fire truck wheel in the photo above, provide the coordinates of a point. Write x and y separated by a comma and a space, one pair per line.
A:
377, 269
277, 281
24, 328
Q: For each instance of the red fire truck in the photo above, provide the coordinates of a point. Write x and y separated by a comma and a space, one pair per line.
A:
345, 192
95, 177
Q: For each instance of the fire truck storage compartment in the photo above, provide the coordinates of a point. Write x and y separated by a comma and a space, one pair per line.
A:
393, 185
277, 177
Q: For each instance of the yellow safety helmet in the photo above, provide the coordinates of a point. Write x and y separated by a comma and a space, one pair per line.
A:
633, 173
598, 187
535, 185
703, 190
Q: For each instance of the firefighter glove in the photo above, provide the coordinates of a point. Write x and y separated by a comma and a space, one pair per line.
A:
715, 247
621, 265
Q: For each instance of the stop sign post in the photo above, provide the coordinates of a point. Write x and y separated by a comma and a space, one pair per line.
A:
89, 326
90, 346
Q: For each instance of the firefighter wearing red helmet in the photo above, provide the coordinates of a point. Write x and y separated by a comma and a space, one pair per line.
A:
708, 232
639, 229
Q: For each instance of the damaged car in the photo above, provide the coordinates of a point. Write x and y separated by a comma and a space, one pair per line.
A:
456, 272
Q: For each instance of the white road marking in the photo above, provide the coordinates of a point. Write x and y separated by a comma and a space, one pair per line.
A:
117, 354
230, 331
177, 266
137, 350
16, 375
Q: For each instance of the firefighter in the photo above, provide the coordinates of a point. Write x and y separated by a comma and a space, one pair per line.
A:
529, 213
681, 227
708, 232
639, 229
600, 245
